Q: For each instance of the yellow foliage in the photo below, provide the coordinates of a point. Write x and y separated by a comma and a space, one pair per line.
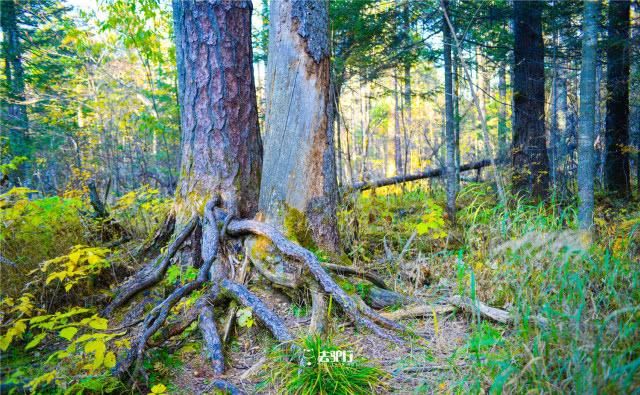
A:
81, 262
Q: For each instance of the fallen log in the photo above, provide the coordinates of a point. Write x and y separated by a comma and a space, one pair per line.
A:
363, 186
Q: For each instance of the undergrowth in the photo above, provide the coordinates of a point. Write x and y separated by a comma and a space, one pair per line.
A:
526, 258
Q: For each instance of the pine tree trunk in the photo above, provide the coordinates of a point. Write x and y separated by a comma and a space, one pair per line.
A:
529, 152
450, 158
586, 157
617, 172
221, 146
15, 118
299, 182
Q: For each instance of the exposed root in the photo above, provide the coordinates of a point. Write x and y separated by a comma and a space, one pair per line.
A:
156, 318
318, 309
207, 325
354, 271
151, 274
270, 319
227, 278
300, 254
174, 329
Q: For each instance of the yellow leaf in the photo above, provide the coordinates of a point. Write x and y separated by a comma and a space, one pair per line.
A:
98, 348
158, 389
99, 323
110, 360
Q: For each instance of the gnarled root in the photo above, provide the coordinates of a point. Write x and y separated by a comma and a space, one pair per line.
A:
151, 274
306, 257
214, 270
268, 318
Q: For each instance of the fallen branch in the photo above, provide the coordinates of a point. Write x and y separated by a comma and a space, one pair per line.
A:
363, 186
422, 310
492, 313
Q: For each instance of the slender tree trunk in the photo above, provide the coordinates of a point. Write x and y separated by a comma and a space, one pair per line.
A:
553, 130
221, 146
339, 160
586, 157
617, 172
456, 110
450, 161
502, 114
15, 117
529, 153
406, 111
397, 144
299, 182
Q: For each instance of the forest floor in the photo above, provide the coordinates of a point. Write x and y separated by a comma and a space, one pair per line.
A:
412, 367
574, 302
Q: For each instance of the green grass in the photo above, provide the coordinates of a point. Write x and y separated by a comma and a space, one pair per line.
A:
312, 376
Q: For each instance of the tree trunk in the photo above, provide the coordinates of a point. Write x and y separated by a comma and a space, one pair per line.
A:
15, 118
397, 145
299, 190
617, 173
456, 109
502, 114
406, 111
450, 138
221, 146
553, 129
529, 152
586, 158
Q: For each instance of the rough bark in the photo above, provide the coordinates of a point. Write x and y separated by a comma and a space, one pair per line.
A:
299, 164
617, 171
450, 138
221, 146
586, 157
15, 117
529, 152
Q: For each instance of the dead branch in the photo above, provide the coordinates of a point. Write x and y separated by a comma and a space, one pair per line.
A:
363, 186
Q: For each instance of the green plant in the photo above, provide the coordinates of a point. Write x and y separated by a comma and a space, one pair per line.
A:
315, 376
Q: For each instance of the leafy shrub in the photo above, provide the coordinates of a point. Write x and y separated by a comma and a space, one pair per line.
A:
141, 210
32, 231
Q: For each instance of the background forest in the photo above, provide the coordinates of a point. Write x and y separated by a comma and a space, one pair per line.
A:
484, 191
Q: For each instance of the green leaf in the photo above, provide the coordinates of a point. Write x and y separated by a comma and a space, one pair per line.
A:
68, 333
36, 340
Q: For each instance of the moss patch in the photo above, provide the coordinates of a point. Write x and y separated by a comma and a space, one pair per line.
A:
297, 228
